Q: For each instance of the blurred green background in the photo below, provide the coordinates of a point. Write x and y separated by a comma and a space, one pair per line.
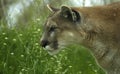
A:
20, 31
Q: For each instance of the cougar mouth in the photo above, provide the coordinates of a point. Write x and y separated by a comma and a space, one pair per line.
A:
52, 47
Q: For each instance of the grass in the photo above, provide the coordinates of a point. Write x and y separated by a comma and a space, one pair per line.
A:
20, 53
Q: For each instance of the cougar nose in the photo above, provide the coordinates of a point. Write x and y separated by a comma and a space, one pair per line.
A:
44, 43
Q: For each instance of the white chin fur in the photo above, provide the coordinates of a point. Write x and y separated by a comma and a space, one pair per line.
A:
51, 51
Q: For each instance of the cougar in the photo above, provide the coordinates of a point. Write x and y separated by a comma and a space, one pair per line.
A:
97, 28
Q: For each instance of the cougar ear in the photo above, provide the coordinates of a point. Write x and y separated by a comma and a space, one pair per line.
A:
69, 13
52, 9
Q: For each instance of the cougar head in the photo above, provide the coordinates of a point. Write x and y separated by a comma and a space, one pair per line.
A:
61, 29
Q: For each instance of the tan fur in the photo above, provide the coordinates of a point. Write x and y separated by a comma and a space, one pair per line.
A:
98, 29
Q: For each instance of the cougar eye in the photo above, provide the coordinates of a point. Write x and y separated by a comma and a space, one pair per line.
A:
52, 28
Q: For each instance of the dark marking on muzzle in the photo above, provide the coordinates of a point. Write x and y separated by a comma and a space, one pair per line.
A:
44, 43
